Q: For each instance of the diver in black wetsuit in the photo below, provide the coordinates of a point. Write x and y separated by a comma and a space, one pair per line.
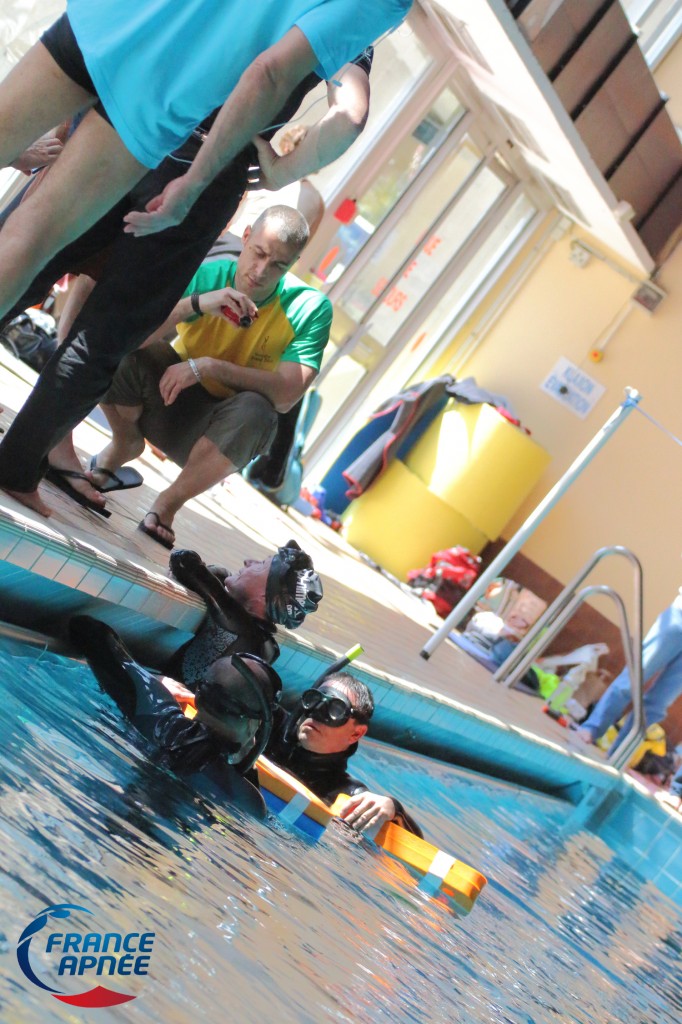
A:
238, 718
243, 607
234, 704
317, 737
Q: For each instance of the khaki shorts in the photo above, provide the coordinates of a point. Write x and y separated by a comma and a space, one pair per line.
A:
241, 427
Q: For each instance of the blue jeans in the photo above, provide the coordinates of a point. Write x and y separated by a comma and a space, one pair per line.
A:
661, 657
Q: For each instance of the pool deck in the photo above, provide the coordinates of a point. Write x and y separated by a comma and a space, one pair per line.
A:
448, 707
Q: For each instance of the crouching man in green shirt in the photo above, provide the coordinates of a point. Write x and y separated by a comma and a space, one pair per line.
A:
250, 342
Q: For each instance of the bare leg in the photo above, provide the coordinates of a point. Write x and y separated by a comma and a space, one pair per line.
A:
205, 467
34, 97
93, 172
127, 441
76, 297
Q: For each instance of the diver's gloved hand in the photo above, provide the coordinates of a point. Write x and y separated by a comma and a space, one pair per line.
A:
184, 564
191, 571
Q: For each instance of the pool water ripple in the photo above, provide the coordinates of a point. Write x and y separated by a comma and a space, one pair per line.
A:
255, 924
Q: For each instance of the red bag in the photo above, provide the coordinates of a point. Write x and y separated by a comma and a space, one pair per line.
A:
444, 581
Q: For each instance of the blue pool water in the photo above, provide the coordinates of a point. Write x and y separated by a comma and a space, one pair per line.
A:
254, 924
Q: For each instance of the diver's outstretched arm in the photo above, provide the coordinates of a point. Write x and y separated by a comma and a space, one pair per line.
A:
189, 569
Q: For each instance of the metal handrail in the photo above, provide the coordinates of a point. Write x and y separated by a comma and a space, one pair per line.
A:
555, 618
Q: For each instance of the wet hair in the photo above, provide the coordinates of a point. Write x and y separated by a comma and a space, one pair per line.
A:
289, 225
360, 695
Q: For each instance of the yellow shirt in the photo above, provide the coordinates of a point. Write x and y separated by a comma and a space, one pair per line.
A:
292, 326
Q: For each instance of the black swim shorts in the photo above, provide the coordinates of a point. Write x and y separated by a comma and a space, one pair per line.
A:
61, 44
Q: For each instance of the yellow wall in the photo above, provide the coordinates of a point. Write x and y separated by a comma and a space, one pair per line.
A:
631, 494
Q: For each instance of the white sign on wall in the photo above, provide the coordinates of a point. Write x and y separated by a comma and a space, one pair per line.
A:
572, 387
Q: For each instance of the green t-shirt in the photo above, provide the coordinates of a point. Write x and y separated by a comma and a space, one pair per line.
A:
292, 326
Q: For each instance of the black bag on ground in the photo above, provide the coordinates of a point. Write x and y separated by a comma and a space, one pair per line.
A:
29, 341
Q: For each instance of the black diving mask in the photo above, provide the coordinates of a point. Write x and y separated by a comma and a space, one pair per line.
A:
329, 708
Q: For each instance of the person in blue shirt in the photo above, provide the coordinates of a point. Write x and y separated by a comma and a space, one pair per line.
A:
139, 280
149, 71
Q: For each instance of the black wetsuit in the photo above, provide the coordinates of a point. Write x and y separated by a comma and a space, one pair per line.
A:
227, 629
183, 745
325, 774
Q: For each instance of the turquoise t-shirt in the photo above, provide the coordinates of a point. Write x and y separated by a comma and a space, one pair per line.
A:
161, 66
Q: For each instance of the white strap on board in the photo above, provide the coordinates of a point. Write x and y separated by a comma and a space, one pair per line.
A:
438, 869
292, 811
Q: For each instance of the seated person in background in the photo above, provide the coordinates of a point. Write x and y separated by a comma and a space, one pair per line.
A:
661, 667
210, 399
243, 607
317, 737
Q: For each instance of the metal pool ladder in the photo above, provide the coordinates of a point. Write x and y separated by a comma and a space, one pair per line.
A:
558, 614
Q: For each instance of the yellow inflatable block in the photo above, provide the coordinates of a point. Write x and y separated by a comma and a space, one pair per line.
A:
478, 463
400, 523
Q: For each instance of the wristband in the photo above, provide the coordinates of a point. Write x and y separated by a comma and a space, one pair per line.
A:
194, 303
195, 369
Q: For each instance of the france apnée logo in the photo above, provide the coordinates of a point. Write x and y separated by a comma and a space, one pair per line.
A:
88, 955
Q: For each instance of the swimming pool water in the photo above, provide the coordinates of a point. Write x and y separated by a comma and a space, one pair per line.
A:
254, 924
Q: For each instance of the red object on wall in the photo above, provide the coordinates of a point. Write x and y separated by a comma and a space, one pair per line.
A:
346, 210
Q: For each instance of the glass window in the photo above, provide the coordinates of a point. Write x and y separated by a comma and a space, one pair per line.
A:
435, 333
400, 60
396, 175
410, 232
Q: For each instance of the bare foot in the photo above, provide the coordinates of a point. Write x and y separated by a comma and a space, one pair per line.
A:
583, 736
63, 456
31, 499
159, 526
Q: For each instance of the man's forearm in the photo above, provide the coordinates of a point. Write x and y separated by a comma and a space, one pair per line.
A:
328, 138
325, 142
256, 99
282, 393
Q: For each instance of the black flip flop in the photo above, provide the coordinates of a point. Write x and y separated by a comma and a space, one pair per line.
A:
122, 480
151, 531
60, 478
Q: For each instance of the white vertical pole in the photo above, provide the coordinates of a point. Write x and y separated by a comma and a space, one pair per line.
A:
632, 397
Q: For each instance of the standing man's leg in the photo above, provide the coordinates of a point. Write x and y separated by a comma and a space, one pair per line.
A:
143, 279
94, 171
608, 709
35, 97
665, 690
661, 647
